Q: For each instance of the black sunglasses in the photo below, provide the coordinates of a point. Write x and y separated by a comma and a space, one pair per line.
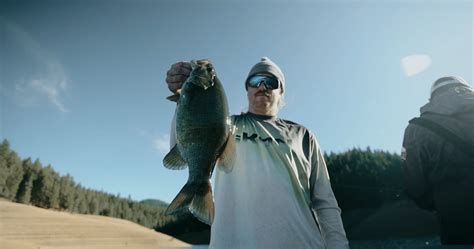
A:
269, 82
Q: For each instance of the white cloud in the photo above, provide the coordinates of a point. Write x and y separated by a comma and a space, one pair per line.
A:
34, 90
49, 81
162, 143
415, 64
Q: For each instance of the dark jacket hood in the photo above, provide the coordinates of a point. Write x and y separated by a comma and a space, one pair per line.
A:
454, 110
455, 100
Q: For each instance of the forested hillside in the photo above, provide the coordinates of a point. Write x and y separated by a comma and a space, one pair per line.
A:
28, 181
365, 178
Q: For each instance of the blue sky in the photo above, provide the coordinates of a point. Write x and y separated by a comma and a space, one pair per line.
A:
82, 82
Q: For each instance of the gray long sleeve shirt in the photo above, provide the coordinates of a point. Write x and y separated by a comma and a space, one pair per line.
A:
278, 194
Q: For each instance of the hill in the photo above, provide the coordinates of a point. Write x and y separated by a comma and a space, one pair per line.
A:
25, 226
154, 203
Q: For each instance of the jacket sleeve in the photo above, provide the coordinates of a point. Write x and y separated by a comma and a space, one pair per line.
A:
415, 156
323, 202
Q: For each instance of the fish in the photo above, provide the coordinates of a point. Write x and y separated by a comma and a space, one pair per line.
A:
204, 137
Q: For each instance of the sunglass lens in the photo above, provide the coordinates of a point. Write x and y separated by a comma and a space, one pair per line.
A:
272, 83
269, 82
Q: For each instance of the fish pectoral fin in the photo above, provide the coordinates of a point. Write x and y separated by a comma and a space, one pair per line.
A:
175, 97
227, 157
174, 160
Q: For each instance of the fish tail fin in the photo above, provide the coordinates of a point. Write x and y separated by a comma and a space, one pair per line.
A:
197, 197
182, 200
202, 204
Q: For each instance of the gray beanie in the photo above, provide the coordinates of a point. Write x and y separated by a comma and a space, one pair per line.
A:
448, 80
269, 67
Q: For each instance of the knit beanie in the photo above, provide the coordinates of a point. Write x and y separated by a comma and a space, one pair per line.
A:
267, 66
448, 80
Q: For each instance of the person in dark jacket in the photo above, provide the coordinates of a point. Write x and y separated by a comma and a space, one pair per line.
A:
439, 158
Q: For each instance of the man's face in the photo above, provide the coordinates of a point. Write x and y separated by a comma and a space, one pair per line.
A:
264, 101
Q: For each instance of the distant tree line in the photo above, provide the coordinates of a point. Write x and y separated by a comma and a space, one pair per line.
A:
365, 178
29, 182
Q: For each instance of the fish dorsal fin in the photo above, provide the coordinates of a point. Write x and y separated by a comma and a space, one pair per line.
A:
174, 160
227, 157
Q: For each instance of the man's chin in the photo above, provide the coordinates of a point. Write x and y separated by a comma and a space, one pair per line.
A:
263, 104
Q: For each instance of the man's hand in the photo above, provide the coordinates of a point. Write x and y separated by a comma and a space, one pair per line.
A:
177, 74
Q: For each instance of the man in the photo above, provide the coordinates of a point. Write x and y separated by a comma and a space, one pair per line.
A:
439, 158
278, 194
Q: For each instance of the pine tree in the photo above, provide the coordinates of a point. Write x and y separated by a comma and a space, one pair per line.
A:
15, 176
66, 192
80, 202
26, 186
92, 203
42, 186
4, 171
54, 200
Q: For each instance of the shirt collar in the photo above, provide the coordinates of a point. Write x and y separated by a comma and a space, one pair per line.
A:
264, 117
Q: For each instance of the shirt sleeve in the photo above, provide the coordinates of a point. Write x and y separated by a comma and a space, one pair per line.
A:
323, 201
173, 140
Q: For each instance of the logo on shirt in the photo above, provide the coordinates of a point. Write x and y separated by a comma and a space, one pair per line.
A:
255, 138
